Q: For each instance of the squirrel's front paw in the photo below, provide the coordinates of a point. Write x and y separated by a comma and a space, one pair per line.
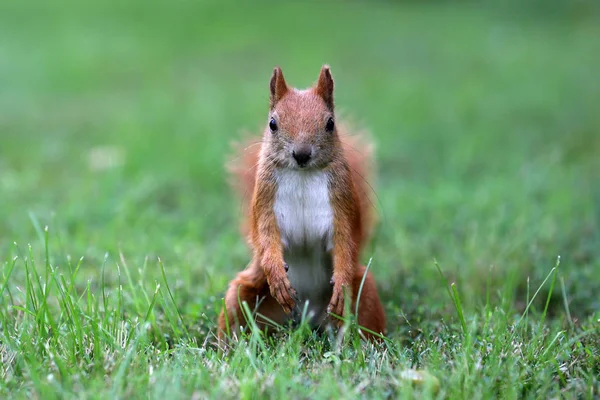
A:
336, 305
282, 290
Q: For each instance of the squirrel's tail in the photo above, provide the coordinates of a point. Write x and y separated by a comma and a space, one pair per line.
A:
242, 174
358, 150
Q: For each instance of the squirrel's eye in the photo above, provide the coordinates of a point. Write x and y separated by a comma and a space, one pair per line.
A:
330, 125
273, 125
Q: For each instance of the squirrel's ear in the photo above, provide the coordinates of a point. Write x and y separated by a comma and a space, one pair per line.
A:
325, 86
278, 86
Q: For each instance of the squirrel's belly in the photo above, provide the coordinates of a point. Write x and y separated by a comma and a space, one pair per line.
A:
309, 274
305, 220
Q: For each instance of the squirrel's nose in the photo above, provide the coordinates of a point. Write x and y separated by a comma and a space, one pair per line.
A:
302, 154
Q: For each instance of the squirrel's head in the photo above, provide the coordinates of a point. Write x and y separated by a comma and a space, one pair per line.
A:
301, 130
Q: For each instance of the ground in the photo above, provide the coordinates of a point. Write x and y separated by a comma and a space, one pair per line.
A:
119, 233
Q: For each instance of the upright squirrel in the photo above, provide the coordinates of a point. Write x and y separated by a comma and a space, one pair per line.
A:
308, 218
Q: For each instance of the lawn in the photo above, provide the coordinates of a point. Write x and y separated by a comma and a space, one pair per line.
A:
119, 232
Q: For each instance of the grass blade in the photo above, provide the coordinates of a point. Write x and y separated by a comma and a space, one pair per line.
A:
551, 290
164, 276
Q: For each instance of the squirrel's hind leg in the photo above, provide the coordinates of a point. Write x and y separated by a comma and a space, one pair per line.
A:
250, 286
370, 310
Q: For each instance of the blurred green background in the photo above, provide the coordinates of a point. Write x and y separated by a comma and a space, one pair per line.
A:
116, 119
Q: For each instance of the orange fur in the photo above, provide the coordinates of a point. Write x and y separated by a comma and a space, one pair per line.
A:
346, 161
250, 286
358, 151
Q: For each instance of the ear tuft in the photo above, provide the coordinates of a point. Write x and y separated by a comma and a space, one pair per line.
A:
278, 86
325, 86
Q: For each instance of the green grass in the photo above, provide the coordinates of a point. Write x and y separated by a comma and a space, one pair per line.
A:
115, 123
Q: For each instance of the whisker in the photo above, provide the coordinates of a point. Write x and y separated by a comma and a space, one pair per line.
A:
244, 150
253, 144
349, 134
374, 234
354, 148
384, 218
371, 187
246, 196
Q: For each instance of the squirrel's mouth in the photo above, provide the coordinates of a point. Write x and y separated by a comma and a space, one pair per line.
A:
304, 167
312, 165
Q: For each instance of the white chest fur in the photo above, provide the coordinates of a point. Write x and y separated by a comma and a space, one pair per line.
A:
302, 207
305, 220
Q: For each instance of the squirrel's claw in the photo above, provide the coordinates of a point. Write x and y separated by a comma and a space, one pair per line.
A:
336, 305
284, 293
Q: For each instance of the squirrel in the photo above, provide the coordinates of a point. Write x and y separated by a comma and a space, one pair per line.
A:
308, 218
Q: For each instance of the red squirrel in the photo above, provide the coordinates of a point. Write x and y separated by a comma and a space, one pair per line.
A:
308, 218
